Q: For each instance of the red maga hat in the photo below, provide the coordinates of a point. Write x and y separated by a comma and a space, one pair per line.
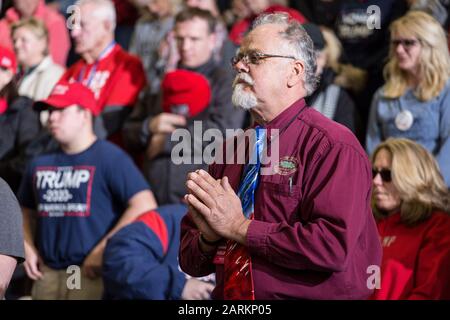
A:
185, 92
66, 94
8, 59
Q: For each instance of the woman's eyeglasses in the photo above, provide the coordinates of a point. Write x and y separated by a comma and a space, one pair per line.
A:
255, 57
385, 174
406, 43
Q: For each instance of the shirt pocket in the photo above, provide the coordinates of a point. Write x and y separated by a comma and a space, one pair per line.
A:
278, 200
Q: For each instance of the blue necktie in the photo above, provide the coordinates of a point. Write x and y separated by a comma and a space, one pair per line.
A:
238, 280
251, 174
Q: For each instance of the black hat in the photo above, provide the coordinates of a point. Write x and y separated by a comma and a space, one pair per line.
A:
314, 32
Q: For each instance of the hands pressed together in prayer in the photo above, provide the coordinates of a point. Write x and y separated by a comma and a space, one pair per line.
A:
215, 208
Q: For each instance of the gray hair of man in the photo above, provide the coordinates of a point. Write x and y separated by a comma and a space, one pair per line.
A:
105, 9
299, 42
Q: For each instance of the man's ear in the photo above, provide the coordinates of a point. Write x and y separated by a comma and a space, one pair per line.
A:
212, 40
297, 73
109, 26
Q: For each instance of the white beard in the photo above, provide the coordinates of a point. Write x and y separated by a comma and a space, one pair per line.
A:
241, 98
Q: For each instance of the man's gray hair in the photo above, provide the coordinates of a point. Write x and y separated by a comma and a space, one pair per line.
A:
104, 9
300, 42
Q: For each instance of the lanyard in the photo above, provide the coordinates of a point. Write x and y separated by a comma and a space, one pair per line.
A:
94, 68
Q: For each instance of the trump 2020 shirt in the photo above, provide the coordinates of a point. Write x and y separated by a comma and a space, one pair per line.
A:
78, 199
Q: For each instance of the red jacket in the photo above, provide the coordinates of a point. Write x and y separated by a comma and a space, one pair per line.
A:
118, 78
416, 260
59, 42
241, 27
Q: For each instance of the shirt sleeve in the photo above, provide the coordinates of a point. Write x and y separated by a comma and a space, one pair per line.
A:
337, 201
125, 179
135, 267
192, 260
11, 232
432, 277
26, 195
374, 136
443, 153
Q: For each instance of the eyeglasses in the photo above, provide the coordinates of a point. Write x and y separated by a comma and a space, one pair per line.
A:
255, 57
385, 174
406, 43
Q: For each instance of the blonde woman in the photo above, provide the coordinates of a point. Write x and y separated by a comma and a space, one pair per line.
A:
39, 72
414, 103
411, 204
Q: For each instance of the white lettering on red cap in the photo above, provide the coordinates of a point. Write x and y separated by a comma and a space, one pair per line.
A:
6, 62
60, 89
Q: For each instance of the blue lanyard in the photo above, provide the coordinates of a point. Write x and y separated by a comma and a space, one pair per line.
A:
94, 68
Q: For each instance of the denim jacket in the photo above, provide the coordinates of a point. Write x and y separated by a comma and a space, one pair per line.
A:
431, 126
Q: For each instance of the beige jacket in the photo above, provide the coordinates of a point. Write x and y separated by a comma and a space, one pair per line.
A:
39, 83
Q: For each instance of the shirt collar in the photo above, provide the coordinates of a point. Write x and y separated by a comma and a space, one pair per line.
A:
205, 69
285, 116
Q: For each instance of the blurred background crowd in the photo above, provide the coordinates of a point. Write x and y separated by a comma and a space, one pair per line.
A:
157, 65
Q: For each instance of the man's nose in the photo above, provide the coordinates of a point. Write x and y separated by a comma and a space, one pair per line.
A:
185, 44
240, 66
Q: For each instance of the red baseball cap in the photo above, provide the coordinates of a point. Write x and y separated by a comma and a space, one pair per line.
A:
185, 92
8, 59
66, 94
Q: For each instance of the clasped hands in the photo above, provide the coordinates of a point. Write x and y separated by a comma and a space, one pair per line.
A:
215, 208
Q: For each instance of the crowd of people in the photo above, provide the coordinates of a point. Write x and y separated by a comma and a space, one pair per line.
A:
350, 98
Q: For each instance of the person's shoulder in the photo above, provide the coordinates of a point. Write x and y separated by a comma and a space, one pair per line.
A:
219, 74
74, 68
330, 133
439, 217
44, 159
53, 67
21, 103
123, 56
445, 92
437, 226
10, 205
379, 93
52, 16
4, 187
108, 148
110, 153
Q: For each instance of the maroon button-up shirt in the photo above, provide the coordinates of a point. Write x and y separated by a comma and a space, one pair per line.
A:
313, 236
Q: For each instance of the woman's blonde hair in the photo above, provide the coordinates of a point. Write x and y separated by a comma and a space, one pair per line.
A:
434, 60
347, 76
37, 27
416, 176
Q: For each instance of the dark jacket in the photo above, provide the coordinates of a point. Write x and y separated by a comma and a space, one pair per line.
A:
343, 109
140, 260
166, 178
18, 127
